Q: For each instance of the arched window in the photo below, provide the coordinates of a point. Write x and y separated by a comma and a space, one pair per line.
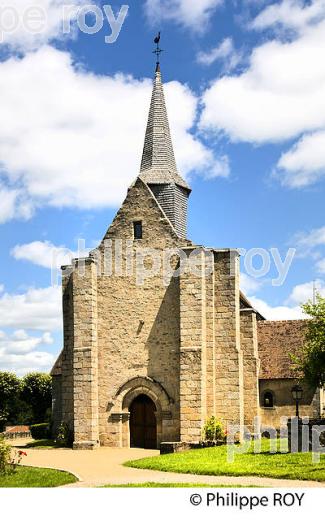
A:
268, 399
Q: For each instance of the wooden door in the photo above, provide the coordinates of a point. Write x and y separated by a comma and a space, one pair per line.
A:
143, 423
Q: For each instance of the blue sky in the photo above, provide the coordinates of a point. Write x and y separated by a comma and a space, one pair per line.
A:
244, 83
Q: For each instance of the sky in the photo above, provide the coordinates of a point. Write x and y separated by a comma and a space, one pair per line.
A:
244, 84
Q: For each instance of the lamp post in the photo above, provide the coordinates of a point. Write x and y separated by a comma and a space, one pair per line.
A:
297, 396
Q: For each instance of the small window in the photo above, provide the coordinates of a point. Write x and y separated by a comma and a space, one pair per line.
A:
268, 400
137, 230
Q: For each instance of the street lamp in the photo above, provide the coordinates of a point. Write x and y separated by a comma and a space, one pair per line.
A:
297, 396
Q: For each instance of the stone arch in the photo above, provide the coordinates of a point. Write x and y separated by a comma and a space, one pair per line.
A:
145, 385
126, 395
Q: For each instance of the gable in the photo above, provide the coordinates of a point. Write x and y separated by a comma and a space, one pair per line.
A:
140, 205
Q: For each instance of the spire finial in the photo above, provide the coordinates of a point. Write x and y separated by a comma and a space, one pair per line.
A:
158, 51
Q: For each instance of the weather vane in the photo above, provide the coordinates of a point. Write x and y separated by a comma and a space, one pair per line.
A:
158, 50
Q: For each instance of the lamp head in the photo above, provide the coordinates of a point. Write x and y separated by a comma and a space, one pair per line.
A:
297, 392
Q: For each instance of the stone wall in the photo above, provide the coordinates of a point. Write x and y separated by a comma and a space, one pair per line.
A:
229, 362
284, 406
248, 334
85, 355
193, 406
138, 324
67, 353
211, 378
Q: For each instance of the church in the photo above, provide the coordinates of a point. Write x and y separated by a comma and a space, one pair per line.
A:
149, 361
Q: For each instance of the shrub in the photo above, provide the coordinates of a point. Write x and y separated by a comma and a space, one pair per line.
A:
10, 387
5, 456
64, 436
37, 393
213, 430
40, 431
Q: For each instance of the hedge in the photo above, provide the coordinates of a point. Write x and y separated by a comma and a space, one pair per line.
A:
40, 431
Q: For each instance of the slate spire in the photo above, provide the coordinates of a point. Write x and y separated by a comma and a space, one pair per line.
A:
158, 165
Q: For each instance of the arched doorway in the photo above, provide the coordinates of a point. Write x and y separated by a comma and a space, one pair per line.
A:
143, 423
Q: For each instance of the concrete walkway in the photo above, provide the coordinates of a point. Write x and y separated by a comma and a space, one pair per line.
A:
104, 466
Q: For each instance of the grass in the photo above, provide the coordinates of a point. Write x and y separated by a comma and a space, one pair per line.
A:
25, 477
213, 461
170, 485
41, 444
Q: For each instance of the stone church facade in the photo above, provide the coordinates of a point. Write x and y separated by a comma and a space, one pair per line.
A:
148, 359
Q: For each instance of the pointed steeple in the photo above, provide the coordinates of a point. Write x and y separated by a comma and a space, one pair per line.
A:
158, 165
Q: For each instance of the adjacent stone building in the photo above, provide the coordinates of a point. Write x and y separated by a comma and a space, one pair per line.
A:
157, 335
277, 342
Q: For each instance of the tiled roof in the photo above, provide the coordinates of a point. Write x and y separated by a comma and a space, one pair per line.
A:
158, 165
17, 429
276, 341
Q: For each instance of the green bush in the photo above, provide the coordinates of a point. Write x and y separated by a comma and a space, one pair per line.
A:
37, 393
213, 430
5, 456
64, 436
40, 431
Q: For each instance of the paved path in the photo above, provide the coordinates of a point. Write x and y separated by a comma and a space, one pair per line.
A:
104, 466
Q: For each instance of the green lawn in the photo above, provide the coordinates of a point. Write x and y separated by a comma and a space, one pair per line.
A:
26, 477
213, 461
170, 485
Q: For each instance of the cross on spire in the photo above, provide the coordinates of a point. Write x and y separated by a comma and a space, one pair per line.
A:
158, 50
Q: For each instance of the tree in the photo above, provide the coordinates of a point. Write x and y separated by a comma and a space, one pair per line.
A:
37, 392
311, 360
10, 386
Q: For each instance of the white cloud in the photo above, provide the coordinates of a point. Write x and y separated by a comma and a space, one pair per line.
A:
44, 254
84, 145
193, 14
291, 308
279, 97
224, 52
304, 163
308, 243
281, 312
248, 284
13, 204
290, 14
19, 352
320, 265
19, 33
22, 343
314, 238
304, 292
2, 288
21, 364
37, 309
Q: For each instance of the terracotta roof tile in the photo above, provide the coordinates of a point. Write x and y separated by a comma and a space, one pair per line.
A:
17, 429
276, 341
